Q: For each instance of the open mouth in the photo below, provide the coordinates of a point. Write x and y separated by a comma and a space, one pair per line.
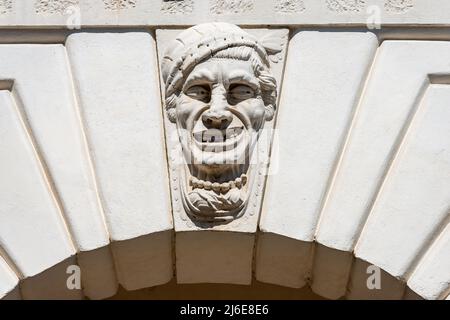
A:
218, 140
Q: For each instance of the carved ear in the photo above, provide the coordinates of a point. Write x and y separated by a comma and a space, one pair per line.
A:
270, 112
170, 106
171, 115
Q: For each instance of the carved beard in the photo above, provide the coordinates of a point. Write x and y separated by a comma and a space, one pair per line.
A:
216, 205
207, 205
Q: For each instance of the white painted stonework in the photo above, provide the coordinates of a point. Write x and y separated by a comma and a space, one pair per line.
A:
297, 143
253, 12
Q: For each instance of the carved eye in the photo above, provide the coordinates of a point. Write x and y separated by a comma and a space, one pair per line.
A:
241, 92
199, 93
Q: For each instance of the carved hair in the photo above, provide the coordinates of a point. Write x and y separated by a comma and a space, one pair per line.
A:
267, 81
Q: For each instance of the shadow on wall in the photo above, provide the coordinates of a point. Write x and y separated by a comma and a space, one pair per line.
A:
256, 291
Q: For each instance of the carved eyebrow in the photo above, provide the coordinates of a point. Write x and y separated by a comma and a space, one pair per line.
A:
203, 74
240, 75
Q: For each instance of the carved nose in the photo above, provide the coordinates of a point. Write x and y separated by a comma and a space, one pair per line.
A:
217, 119
217, 116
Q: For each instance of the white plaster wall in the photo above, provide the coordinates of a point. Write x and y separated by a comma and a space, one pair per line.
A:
311, 127
32, 229
116, 81
414, 201
42, 91
117, 84
395, 88
312, 124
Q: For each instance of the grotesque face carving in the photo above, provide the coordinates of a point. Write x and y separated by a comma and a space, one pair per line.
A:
221, 110
219, 101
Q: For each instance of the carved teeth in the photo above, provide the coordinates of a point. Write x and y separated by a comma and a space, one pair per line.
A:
216, 186
238, 182
225, 187
219, 187
217, 136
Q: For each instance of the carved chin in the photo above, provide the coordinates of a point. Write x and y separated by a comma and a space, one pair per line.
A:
216, 202
208, 205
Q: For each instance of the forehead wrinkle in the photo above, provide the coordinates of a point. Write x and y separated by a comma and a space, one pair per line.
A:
201, 74
242, 75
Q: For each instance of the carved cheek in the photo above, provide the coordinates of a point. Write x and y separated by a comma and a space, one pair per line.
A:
254, 110
186, 110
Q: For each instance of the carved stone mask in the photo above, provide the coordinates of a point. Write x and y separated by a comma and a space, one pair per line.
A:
219, 92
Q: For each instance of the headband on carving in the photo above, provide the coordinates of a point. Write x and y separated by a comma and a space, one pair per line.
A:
203, 51
199, 43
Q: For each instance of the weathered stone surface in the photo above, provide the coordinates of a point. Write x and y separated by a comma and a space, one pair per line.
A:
6, 6
177, 7
35, 13
54, 6
343, 6
119, 4
289, 6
